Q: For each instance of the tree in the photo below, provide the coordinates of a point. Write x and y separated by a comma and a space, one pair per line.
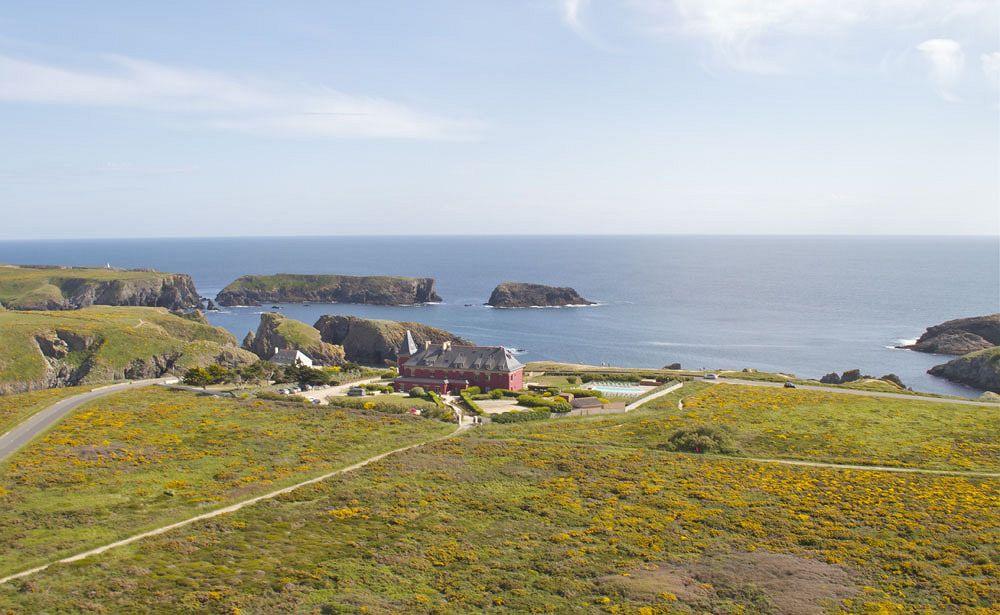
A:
218, 374
197, 377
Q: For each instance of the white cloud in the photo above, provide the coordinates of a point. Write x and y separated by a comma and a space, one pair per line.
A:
744, 33
222, 101
946, 60
991, 67
571, 14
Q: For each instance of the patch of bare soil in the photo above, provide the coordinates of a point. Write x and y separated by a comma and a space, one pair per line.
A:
765, 582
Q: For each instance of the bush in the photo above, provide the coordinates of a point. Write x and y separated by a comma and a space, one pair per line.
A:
702, 439
473, 390
582, 393
268, 395
418, 392
520, 417
554, 404
572, 379
496, 394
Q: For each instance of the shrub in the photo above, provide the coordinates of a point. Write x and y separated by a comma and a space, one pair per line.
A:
496, 394
554, 404
418, 392
268, 395
582, 392
520, 417
572, 379
702, 439
473, 390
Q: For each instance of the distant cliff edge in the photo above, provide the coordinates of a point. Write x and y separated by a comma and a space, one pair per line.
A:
299, 288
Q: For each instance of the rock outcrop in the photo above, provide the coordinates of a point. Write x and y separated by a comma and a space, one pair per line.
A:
279, 332
523, 294
960, 336
297, 288
66, 288
980, 370
376, 342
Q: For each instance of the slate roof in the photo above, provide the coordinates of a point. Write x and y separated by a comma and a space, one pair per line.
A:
287, 355
482, 358
408, 348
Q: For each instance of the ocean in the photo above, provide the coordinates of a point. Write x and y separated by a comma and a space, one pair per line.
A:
804, 305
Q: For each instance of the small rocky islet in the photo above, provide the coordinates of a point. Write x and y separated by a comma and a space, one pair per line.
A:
525, 294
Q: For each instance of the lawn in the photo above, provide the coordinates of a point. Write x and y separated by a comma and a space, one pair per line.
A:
512, 526
18, 407
801, 424
143, 458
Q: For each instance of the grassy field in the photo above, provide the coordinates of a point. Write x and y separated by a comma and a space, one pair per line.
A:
591, 515
18, 407
103, 342
469, 525
798, 424
143, 458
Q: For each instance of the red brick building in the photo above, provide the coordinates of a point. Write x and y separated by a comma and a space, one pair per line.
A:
448, 368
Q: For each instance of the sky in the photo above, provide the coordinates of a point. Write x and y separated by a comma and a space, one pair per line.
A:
162, 119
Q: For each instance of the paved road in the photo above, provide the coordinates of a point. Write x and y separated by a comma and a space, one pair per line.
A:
227, 509
811, 387
28, 429
649, 398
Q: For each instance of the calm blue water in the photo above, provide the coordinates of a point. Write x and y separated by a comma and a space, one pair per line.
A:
807, 305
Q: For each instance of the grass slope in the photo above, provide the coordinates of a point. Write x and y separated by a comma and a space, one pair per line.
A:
144, 458
117, 336
470, 525
800, 424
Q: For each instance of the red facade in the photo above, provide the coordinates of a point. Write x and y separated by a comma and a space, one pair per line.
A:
451, 381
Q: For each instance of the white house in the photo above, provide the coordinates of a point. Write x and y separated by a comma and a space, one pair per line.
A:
291, 356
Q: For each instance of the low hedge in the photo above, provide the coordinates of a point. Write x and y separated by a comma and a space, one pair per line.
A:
471, 403
520, 417
554, 404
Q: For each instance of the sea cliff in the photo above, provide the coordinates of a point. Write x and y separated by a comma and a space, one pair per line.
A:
299, 288
70, 288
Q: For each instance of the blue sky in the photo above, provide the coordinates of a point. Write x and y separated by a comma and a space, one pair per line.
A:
123, 119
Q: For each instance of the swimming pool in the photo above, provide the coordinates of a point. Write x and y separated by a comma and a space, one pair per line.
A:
618, 389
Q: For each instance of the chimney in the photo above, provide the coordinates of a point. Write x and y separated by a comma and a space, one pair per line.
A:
427, 344
446, 345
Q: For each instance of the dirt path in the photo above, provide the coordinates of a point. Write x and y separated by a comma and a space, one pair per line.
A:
227, 509
787, 462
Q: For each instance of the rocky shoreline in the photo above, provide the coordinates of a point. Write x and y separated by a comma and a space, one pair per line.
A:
977, 340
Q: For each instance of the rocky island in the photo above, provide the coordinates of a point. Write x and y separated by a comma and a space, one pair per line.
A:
523, 294
960, 336
300, 288
45, 349
276, 332
29, 287
376, 342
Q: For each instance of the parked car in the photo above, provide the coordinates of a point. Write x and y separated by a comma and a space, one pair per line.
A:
789, 385
355, 392
711, 376
308, 387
